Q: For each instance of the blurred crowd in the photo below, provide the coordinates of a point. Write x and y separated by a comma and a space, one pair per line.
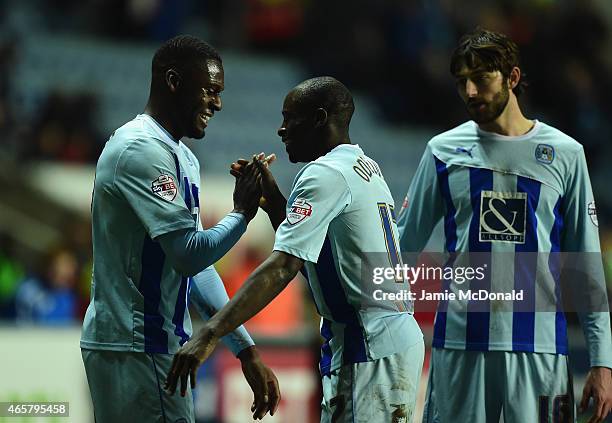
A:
395, 52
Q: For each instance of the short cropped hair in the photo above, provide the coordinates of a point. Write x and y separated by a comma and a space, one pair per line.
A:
182, 52
489, 50
329, 93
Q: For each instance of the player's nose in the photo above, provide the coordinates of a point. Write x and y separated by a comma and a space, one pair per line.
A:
282, 131
470, 89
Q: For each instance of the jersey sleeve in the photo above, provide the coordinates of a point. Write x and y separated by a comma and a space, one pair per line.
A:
581, 240
146, 178
208, 296
422, 208
318, 196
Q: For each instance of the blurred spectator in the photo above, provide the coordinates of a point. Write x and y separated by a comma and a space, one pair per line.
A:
282, 316
8, 141
50, 299
64, 129
11, 273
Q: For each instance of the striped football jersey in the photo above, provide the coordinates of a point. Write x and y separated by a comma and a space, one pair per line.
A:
340, 219
512, 203
146, 185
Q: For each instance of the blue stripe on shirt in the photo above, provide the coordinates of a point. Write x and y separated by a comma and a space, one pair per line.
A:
525, 269
326, 352
179, 311
554, 264
196, 196
450, 234
152, 265
477, 325
339, 307
187, 194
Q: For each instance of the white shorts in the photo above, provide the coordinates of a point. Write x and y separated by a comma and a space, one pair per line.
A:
383, 390
494, 386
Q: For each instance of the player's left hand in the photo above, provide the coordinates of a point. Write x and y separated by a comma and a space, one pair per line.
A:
237, 166
187, 360
262, 381
599, 386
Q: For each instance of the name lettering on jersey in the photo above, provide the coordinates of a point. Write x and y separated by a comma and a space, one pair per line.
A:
592, 211
544, 153
299, 210
366, 168
164, 187
503, 216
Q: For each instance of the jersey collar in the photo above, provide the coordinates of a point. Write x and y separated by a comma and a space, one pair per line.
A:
492, 135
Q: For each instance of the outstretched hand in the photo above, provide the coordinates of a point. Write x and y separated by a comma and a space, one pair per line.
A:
272, 199
187, 360
247, 192
238, 166
599, 386
263, 383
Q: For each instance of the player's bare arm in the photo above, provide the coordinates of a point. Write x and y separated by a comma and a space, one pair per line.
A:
264, 284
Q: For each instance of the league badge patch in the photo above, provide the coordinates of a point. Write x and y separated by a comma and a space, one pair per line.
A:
544, 153
300, 210
592, 211
164, 187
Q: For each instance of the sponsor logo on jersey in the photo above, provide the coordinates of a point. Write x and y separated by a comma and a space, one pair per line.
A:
300, 210
593, 213
503, 216
467, 151
544, 153
164, 187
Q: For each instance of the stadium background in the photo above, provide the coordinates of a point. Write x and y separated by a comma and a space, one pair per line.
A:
72, 71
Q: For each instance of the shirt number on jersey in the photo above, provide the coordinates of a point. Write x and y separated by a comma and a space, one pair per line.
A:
387, 220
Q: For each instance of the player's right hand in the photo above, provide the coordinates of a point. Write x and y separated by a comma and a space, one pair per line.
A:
247, 191
187, 360
272, 198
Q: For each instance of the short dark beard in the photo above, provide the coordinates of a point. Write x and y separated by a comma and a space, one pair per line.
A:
494, 109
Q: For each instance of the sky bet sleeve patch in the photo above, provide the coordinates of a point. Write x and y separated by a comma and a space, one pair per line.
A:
164, 187
300, 210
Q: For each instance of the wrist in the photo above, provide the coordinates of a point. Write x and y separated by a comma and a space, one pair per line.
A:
208, 332
239, 210
248, 354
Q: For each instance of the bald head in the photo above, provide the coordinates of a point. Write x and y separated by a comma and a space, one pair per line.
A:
316, 117
329, 94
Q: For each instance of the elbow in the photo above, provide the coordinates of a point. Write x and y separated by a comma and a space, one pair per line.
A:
185, 268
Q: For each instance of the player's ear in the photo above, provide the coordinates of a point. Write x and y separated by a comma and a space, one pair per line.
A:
320, 118
173, 79
514, 78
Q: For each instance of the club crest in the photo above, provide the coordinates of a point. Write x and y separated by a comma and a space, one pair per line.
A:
544, 153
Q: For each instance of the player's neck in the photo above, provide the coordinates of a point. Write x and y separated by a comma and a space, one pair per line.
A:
511, 122
163, 118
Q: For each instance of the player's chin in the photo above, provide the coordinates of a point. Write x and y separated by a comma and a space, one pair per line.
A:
197, 133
